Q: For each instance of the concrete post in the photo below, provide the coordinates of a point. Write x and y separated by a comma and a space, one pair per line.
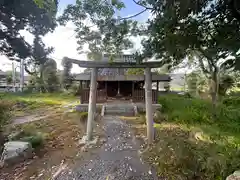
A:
157, 90
22, 75
92, 103
148, 100
13, 77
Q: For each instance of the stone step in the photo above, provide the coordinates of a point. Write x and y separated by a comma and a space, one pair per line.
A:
111, 109
120, 113
119, 110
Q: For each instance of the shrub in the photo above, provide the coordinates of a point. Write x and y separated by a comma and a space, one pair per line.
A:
192, 111
214, 154
5, 115
5, 112
176, 156
29, 134
185, 109
233, 101
142, 119
36, 139
159, 117
83, 117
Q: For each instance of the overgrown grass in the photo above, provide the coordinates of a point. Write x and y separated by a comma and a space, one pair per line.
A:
186, 153
39, 99
191, 144
22, 102
28, 134
5, 112
192, 111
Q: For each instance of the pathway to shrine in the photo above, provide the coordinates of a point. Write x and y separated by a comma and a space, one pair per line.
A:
117, 159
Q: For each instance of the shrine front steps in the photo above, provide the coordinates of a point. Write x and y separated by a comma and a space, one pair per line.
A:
119, 109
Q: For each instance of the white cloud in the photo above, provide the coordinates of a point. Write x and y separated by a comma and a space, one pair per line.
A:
65, 44
5, 63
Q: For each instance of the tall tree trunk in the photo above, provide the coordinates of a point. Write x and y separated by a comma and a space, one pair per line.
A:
214, 90
42, 84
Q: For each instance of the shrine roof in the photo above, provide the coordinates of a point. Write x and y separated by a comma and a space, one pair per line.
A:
117, 64
155, 77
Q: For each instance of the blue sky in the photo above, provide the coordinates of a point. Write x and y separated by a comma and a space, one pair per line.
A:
131, 8
63, 40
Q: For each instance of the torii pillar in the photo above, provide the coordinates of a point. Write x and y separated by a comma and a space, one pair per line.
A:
148, 104
92, 103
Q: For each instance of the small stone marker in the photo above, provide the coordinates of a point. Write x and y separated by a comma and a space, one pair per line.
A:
234, 176
15, 152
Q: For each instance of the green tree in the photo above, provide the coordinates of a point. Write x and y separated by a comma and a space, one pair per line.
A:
192, 80
209, 33
9, 79
103, 32
36, 64
24, 15
225, 83
67, 78
50, 77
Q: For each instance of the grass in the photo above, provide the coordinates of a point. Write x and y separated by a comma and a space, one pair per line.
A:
54, 138
24, 103
61, 133
38, 99
190, 144
59, 142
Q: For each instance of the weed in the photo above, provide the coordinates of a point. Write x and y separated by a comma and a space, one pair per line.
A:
193, 145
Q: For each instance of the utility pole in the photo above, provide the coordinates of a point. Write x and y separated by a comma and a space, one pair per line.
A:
13, 77
21, 75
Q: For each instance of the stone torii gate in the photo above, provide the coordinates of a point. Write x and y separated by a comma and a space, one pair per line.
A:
93, 89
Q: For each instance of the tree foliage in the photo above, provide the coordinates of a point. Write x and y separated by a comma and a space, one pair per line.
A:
66, 77
18, 15
45, 79
39, 56
209, 34
50, 78
208, 29
97, 25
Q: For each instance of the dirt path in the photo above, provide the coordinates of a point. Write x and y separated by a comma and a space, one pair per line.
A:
117, 159
44, 113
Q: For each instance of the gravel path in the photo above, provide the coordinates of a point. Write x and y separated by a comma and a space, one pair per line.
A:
117, 159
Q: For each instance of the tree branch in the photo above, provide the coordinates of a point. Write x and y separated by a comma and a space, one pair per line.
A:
202, 66
28, 71
142, 5
129, 17
209, 59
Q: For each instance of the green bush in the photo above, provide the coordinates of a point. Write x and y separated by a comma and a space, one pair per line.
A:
197, 111
180, 154
233, 101
177, 156
36, 139
5, 112
142, 119
5, 116
83, 116
184, 109
29, 134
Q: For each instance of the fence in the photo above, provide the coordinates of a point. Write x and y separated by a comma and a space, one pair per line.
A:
139, 96
101, 96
